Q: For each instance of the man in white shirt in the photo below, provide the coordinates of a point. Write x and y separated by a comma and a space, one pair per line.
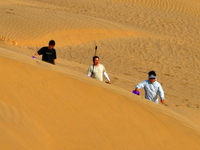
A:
152, 88
97, 70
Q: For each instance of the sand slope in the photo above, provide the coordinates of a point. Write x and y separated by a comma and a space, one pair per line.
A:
45, 109
133, 37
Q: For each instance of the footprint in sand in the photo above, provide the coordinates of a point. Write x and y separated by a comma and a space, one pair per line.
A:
197, 105
188, 105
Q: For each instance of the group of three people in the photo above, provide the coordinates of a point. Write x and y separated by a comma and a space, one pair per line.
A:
152, 86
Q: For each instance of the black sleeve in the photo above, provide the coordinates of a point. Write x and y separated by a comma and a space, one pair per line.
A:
54, 54
41, 51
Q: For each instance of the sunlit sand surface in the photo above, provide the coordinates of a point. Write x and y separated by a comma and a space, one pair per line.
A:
43, 106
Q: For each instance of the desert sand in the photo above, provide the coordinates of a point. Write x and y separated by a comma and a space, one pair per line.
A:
44, 106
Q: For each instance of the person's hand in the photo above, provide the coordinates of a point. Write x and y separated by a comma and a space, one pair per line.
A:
162, 101
108, 82
136, 89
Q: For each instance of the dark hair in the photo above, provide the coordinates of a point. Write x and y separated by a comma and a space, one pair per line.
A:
95, 57
152, 73
52, 42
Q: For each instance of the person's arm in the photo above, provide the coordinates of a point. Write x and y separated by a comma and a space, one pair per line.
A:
38, 52
54, 57
89, 74
35, 55
106, 75
161, 94
140, 86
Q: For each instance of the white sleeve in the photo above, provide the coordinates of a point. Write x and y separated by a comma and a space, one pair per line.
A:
106, 75
141, 85
161, 92
89, 72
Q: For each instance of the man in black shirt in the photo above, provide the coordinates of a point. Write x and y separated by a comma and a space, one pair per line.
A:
48, 53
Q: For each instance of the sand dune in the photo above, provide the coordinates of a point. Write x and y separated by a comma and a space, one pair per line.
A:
133, 37
45, 109
43, 20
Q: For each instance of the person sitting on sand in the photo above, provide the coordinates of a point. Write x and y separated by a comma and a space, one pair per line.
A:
48, 53
152, 88
97, 70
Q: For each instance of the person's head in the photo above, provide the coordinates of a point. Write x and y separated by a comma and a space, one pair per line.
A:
152, 76
51, 44
96, 60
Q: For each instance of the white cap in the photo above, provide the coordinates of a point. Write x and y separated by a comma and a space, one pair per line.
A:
152, 77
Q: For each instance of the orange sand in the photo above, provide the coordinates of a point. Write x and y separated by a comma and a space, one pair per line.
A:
43, 106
